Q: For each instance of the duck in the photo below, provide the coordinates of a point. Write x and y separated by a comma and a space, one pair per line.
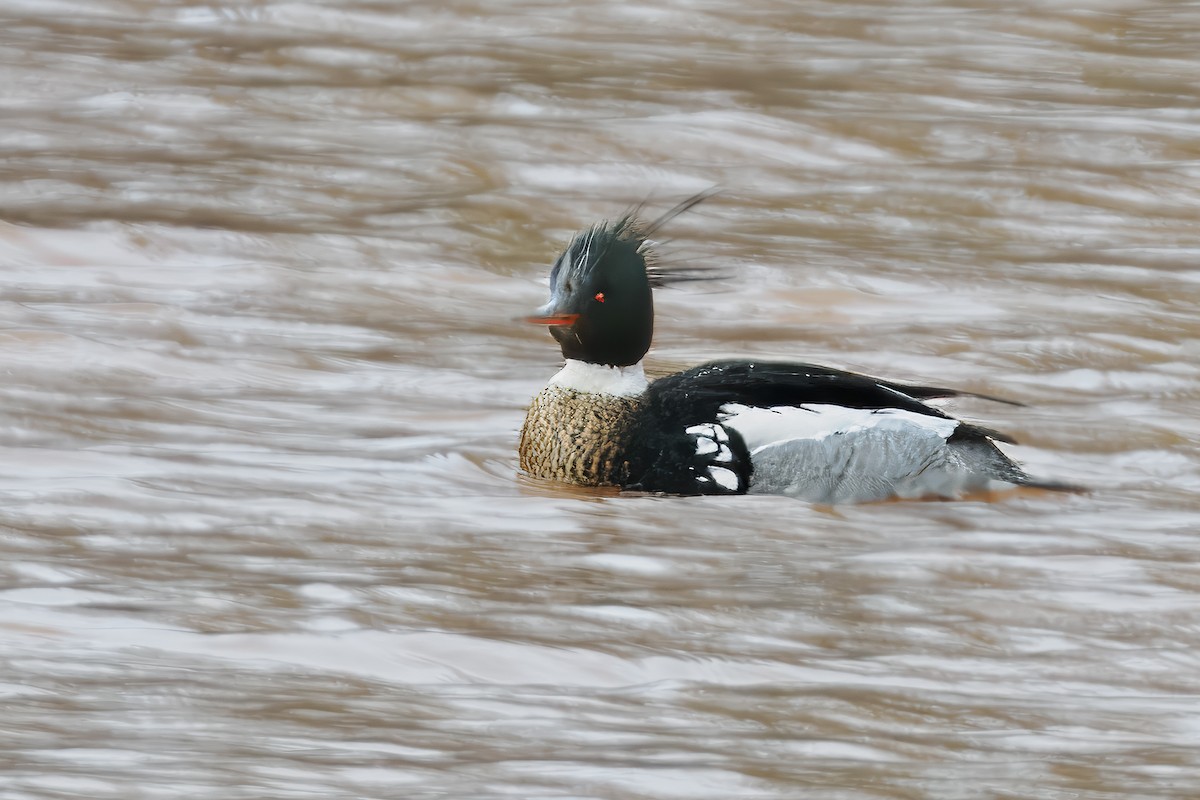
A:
729, 427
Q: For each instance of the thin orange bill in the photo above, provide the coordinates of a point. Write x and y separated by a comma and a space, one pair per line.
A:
554, 319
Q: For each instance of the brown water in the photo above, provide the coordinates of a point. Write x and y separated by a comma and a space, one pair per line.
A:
261, 527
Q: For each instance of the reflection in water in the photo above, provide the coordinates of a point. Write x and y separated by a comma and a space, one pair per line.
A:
262, 529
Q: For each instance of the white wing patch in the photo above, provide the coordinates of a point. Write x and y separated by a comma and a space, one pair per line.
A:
767, 427
727, 478
714, 433
713, 441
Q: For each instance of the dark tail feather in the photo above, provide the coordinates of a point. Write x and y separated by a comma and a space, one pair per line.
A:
991, 433
1053, 486
975, 445
930, 392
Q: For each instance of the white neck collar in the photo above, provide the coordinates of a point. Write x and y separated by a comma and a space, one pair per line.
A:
581, 376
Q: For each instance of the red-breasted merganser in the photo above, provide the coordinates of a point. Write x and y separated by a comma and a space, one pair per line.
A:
728, 427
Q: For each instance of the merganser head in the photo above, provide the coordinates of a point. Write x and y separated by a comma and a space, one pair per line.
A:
601, 307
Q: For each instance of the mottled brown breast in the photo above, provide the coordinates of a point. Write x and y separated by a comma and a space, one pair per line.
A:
577, 437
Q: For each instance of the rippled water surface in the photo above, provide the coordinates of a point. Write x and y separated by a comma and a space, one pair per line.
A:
262, 529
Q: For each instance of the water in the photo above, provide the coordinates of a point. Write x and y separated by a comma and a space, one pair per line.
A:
262, 529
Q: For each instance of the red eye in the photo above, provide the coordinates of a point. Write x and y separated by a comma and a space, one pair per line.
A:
599, 297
